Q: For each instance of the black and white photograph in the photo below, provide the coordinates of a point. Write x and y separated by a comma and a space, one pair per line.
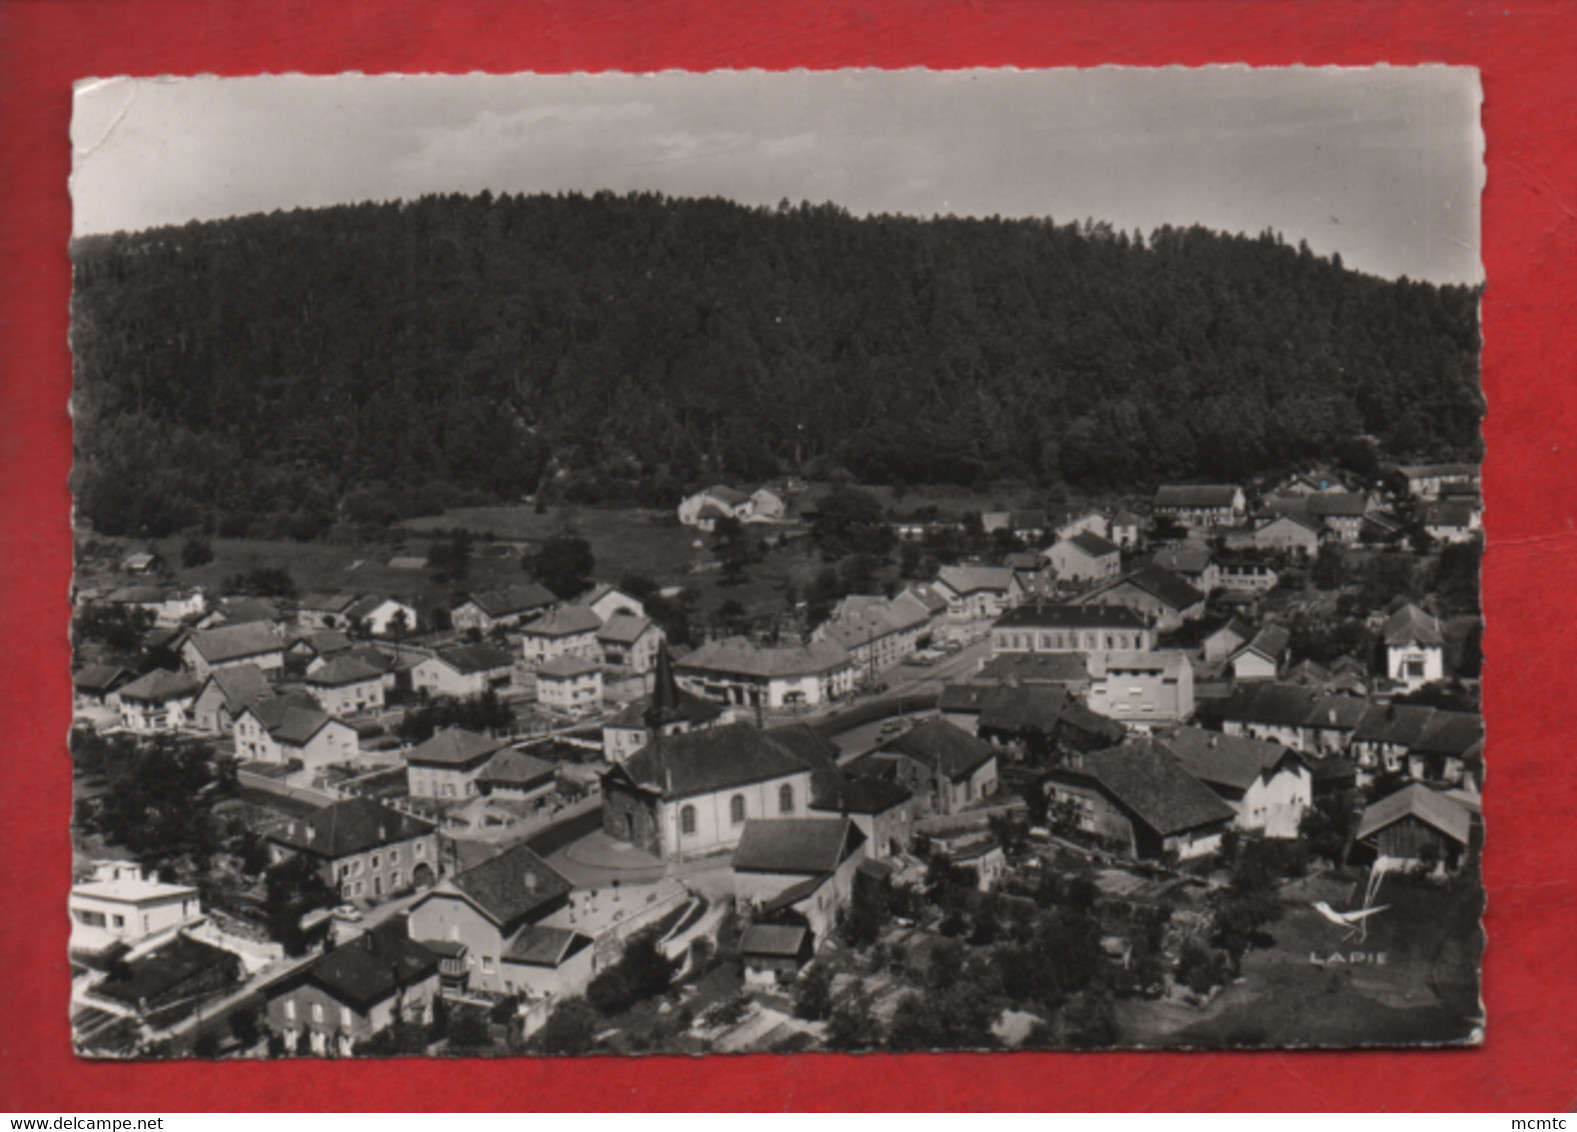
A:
768, 562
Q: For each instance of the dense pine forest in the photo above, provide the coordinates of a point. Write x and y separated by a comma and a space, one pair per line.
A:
276, 372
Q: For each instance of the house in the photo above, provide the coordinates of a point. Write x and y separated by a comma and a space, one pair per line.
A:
571, 685
256, 642
1267, 710
705, 507
506, 608
877, 632
1086, 557
975, 592
157, 701
284, 731
183, 972
448, 764
1429, 481
974, 850
774, 953
691, 794
464, 670
140, 563
1333, 722
735, 671
95, 685
1262, 657
383, 617
1415, 826
1414, 647
168, 606
1246, 575
1142, 689
1139, 798
325, 611
490, 922
1193, 562
609, 601
516, 776
767, 505
120, 905
943, 766
1125, 529
1449, 750
224, 694
1070, 670
1342, 512
387, 667
668, 708
332, 1005
1381, 528
361, 848
1070, 522
882, 809
570, 631
1289, 534
311, 647
1159, 594
1047, 627
346, 685
1451, 521
1268, 786
1200, 505
1223, 642
1311, 482
240, 611
807, 864
628, 641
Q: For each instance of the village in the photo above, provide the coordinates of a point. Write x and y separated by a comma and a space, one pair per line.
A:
1132, 771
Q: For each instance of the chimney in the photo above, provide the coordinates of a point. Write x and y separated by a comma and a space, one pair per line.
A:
531, 880
383, 832
1213, 739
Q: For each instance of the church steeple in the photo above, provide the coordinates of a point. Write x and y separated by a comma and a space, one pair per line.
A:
664, 707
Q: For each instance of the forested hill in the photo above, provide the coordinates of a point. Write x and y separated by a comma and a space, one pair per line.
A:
388, 356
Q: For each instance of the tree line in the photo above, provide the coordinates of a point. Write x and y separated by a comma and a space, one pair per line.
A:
272, 374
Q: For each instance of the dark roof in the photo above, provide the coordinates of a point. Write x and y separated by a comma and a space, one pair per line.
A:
689, 707
1429, 471
1078, 715
566, 622
232, 642
454, 747
510, 886
241, 685
99, 677
1036, 709
776, 940
1338, 504
862, 794
1450, 733
510, 767
739, 655
1190, 558
1037, 615
374, 657
372, 967
1270, 642
567, 667
1094, 545
343, 670
321, 641
624, 628
1195, 495
1163, 585
273, 711
245, 610
513, 599
1418, 801
1334, 712
1151, 784
1301, 520
942, 746
345, 828
703, 762
972, 577
1238, 627
1272, 704
1035, 668
1226, 760
1397, 725
327, 603
538, 946
1410, 625
808, 846
160, 685
1448, 513
158, 972
816, 751
475, 658
298, 724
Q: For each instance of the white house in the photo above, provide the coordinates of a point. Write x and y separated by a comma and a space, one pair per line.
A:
382, 616
501, 609
346, 685
325, 611
628, 641
1262, 657
1201, 505
975, 592
449, 764
570, 684
1269, 787
1052, 627
877, 632
1452, 520
570, 631
120, 904
223, 696
609, 601
255, 642
1142, 689
1085, 557
283, 731
158, 701
735, 671
1414, 648
705, 507
464, 670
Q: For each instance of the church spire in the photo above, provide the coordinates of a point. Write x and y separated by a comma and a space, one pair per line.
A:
664, 706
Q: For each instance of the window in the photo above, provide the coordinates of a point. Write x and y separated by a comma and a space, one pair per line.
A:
487, 963
290, 1010
687, 819
785, 799
317, 1012
421, 850
736, 809
375, 860
118, 921
394, 879
344, 1016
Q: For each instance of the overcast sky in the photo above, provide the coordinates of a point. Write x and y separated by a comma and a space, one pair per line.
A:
1383, 165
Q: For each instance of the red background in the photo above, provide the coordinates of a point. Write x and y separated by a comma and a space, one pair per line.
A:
1527, 53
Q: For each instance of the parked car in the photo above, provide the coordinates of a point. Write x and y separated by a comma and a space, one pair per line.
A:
348, 912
